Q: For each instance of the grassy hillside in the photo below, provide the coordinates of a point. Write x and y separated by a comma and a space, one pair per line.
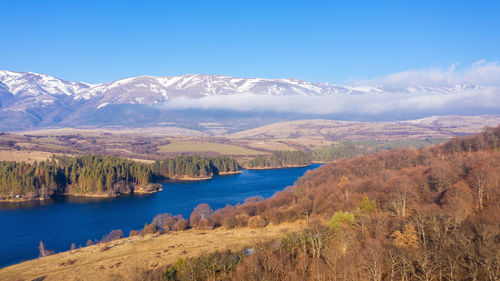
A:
136, 258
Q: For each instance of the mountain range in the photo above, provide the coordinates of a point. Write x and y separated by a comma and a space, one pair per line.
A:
31, 100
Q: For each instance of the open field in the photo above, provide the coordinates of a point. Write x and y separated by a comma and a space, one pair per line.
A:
334, 130
128, 255
203, 146
32, 156
160, 142
270, 145
24, 156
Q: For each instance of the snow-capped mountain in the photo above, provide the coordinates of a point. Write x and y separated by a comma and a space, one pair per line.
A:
29, 99
153, 90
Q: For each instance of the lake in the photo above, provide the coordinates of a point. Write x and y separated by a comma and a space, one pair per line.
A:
61, 221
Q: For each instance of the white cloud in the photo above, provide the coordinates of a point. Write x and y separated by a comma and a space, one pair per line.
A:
485, 100
480, 72
390, 103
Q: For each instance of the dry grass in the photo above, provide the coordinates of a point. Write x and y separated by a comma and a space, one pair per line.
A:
24, 156
32, 156
202, 146
320, 129
135, 254
270, 145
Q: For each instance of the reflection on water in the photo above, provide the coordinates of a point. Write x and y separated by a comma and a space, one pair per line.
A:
71, 199
26, 204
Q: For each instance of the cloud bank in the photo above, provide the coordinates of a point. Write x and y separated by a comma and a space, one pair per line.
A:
484, 99
480, 72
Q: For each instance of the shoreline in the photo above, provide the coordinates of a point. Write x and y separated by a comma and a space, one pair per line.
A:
322, 162
230, 173
275, 168
69, 194
19, 200
136, 191
95, 264
187, 178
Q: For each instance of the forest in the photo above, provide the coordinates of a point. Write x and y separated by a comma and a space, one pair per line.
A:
194, 166
280, 159
351, 149
410, 214
100, 175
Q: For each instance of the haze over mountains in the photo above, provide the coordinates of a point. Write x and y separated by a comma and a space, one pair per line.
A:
30, 100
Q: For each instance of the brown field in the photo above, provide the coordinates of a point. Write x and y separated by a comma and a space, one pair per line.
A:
271, 145
159, 142
29, 156
203, 146
127, 256
24, 156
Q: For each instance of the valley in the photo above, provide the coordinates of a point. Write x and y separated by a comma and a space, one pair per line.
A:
401, 208
153, 143
250, 141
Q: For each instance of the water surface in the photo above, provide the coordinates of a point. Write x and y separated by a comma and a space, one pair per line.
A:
65, 220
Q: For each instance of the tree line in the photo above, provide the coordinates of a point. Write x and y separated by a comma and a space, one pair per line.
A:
97, 174
280, 159
194, 166
335, 151
351, 149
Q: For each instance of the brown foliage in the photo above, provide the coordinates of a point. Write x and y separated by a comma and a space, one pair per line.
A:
149, 228
200, 216
437, 217
256, 222
181, 224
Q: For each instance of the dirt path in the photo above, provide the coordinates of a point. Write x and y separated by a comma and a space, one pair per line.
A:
143, 253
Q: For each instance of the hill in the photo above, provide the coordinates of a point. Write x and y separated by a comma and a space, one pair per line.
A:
136, 258
410, 214
335, 130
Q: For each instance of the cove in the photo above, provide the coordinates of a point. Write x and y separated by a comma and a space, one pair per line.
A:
61, 221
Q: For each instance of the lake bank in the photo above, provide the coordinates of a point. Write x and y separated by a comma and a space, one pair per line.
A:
60, 221
281, 167
136, 189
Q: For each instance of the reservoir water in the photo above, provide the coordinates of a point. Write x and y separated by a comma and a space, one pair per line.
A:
62, 221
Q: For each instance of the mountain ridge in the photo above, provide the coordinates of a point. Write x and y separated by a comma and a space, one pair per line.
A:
31, 100
20, 83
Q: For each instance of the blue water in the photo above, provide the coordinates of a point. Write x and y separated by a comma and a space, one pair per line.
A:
62, 221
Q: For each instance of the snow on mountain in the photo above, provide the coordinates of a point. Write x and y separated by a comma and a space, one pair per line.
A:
31, 100
32, 89
33, 84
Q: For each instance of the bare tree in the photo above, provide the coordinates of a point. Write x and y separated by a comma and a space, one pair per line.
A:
43, 251
200, 215
481, 178
401, 192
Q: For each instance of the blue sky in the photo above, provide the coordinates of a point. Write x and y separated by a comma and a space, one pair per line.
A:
327, 41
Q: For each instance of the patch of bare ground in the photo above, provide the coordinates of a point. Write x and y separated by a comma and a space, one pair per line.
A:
24, 156
123, 258
30, 156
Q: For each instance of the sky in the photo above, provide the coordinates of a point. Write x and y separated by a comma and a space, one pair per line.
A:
318, 41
